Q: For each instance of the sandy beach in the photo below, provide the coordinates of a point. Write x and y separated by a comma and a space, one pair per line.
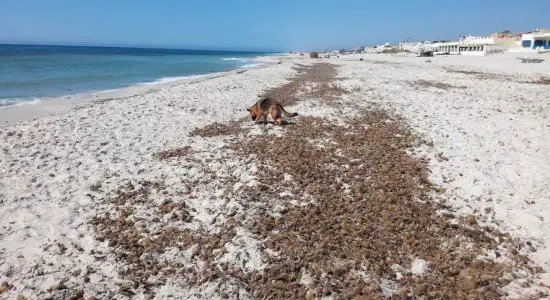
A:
399, 177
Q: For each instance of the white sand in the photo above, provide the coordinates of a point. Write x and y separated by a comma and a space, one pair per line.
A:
47, 165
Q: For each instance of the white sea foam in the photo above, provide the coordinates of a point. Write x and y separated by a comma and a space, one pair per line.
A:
172, 79
190, 77
15, 102
249, 66
242, 59
275, 54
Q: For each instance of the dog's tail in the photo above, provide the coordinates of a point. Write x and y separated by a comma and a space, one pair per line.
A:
290, 115
287, 114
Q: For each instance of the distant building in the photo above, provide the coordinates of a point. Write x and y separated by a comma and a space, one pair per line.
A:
506, 38
470, 45
415, 47
499, 42
383, 48
537, 40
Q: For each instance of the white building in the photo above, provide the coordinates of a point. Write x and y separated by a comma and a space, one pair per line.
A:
382, 48
538, 40
415, 47
470, 45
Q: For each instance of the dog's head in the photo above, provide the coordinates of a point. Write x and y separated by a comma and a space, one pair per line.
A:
253, 112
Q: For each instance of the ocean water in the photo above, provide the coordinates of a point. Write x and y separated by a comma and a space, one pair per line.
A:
29, 74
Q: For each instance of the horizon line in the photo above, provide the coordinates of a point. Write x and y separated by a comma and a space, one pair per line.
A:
191, 48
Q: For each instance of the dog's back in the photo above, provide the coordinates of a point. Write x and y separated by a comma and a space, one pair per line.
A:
269, 106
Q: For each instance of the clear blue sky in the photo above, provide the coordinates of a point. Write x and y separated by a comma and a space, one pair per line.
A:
260, 25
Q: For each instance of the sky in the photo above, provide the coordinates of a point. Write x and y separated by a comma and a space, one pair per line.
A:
277, 25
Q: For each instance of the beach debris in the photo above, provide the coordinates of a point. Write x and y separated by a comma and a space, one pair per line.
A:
426, 53
530, 60
543, 80
217, 129
312, 81
171, 153
421, 83
339, 223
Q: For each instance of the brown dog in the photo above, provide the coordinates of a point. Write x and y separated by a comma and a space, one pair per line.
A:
268, 106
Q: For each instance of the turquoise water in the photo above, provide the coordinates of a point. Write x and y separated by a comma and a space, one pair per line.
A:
30, 73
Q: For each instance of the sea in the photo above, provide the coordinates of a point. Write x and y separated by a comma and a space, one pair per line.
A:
33, 73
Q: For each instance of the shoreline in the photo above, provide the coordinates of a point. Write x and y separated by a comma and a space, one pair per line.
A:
51, 106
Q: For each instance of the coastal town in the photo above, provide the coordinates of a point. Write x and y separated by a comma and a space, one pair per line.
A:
533, 42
